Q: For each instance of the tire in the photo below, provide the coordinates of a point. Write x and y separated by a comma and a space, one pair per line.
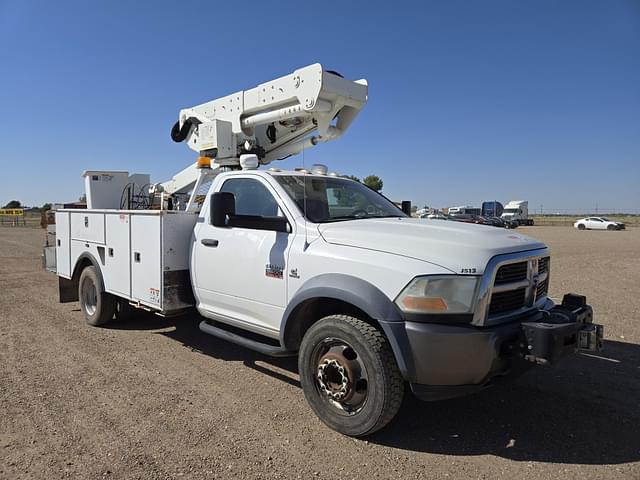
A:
611, 227
581, 226
97, 305
370, 384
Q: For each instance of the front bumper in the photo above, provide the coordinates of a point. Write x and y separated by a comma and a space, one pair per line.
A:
445, 361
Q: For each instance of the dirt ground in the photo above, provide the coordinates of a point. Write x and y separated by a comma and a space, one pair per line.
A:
155, 398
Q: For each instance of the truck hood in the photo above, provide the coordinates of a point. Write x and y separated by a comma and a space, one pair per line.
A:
458, 247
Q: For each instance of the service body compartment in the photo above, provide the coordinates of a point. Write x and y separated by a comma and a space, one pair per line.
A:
63, 245
146, 260
117, 269
88, 226
160, 244
143, 255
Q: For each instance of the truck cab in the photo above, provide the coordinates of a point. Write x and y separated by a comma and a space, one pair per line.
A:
517, 211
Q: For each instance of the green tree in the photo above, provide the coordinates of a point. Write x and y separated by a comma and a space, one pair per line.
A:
13, 204
374, 182
352, 177
45, 207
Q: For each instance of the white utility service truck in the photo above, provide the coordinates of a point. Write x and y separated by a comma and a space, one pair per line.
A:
311, 264
517, 211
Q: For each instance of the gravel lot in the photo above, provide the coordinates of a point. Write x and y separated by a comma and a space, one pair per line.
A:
155, 398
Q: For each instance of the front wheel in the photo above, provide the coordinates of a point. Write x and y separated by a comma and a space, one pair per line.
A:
581, 226
349, 375
97, 305
611, 227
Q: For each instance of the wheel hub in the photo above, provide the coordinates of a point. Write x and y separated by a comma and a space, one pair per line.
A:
89, 296
333, 378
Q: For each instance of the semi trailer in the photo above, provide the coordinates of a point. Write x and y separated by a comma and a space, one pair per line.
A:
310, 264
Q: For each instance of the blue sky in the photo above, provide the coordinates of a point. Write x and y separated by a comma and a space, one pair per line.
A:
468, 101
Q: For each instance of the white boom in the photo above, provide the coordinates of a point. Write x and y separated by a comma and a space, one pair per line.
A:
272, 121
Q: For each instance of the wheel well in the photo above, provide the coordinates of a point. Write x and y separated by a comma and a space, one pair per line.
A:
83, 263
312, 310
68, 289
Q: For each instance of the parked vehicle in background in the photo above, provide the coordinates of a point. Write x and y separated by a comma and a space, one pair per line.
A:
517, 211
464, 210
435, 216
598, 223
480, 220
466, 218
462, 217
492, 209
501, 222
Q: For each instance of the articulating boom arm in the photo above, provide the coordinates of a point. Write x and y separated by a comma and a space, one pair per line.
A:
275, 119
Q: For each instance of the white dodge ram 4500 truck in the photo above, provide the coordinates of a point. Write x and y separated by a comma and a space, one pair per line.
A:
322, 267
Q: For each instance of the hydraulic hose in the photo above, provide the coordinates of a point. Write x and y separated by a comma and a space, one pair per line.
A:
179, 134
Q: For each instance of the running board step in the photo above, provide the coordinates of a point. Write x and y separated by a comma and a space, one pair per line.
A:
255, 345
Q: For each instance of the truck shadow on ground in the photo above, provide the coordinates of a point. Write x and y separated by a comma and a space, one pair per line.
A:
586, 410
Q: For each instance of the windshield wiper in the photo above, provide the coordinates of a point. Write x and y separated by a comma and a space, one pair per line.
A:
351, 217
342, 217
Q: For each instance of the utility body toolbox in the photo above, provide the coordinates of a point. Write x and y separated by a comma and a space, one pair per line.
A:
143, 255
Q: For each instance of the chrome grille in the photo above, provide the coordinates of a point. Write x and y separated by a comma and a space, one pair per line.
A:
542, 288
517, 286
511, 272
543, 265
507, 301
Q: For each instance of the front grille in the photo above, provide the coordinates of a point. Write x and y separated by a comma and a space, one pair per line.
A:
507, 301
542, 288
543, 265
512, 272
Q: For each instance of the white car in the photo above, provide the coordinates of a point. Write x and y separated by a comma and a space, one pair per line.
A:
598, 223
435, 216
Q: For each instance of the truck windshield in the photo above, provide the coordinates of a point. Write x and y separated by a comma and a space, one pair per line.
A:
331, 199
511, 210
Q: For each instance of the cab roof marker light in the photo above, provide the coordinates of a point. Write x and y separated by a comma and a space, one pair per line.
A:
319, 169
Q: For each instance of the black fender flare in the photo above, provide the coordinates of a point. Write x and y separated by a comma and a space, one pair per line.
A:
366, 297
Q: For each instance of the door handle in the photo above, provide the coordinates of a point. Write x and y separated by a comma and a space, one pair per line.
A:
209, 242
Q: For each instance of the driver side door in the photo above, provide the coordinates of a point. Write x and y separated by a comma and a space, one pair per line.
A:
239, 270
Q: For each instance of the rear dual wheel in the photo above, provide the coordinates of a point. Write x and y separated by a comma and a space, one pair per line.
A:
349, 375
97, 305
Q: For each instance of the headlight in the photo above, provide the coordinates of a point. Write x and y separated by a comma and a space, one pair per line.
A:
439, 294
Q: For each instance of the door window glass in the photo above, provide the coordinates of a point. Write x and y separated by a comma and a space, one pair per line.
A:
252, 197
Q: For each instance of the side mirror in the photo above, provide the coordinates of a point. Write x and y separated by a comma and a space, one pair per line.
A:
223, 205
